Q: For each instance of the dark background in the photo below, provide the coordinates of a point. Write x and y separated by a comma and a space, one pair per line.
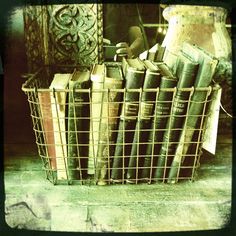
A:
16, 120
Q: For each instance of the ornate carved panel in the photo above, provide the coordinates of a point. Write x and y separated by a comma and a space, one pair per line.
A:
64, 34
33, 33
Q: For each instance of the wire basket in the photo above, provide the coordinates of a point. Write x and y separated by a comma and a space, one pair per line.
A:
110, 146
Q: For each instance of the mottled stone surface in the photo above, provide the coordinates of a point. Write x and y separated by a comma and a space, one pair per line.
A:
32, 202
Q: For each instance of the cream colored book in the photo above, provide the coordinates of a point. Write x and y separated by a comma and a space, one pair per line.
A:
58, 106
97, 78
109, 122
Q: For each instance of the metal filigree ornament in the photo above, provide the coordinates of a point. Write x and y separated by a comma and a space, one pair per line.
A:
65, 34
73, 33
33, 36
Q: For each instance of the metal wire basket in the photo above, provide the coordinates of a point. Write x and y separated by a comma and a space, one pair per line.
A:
147, 151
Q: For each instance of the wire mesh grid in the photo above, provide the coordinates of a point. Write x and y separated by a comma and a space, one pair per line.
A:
114, 141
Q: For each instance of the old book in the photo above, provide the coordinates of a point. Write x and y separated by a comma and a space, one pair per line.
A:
161, 114
165, 70
207, 67
186, 74
97, 77
47, 127
154, 54
160, 54
109, 120
78, 124
133, 70
151, 81
58, 106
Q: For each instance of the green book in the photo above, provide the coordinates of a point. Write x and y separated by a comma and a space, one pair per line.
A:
133, 70
151, 81
186, 74
161, 114
207, 66
78, 124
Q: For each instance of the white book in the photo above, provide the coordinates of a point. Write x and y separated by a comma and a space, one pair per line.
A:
58, 105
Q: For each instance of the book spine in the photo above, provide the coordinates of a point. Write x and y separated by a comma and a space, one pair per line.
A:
152, 80
109, 121
207, 67
128, 117
160, 53
161, 113
96, 109
78, 129
195, 113
59, 126
187, 71
103, 153
186, 136
138, 150
151, 55
122, 149
47, 124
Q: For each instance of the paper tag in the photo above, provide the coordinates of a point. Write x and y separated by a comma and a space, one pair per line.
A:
210, 134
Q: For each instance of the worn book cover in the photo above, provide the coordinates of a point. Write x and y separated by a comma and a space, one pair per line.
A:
186, 74
158, 123
78, 124
97, 78
207, 65
58, 106
148, 97
134, 70
111, 100
47, 126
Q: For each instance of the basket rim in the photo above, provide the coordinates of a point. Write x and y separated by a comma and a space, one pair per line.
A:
31, 77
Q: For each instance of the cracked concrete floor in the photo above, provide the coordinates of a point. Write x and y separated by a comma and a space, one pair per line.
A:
34, 203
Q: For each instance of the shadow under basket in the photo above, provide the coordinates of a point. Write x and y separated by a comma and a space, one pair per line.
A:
81, 141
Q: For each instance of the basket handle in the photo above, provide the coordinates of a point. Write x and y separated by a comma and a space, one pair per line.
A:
28, 77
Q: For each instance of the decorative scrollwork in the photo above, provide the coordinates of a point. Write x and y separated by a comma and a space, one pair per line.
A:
33, 36
73, 33
63, 34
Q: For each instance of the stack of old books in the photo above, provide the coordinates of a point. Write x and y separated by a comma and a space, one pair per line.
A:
137, 121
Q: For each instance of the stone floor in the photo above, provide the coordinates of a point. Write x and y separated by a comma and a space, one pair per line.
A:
34, 203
